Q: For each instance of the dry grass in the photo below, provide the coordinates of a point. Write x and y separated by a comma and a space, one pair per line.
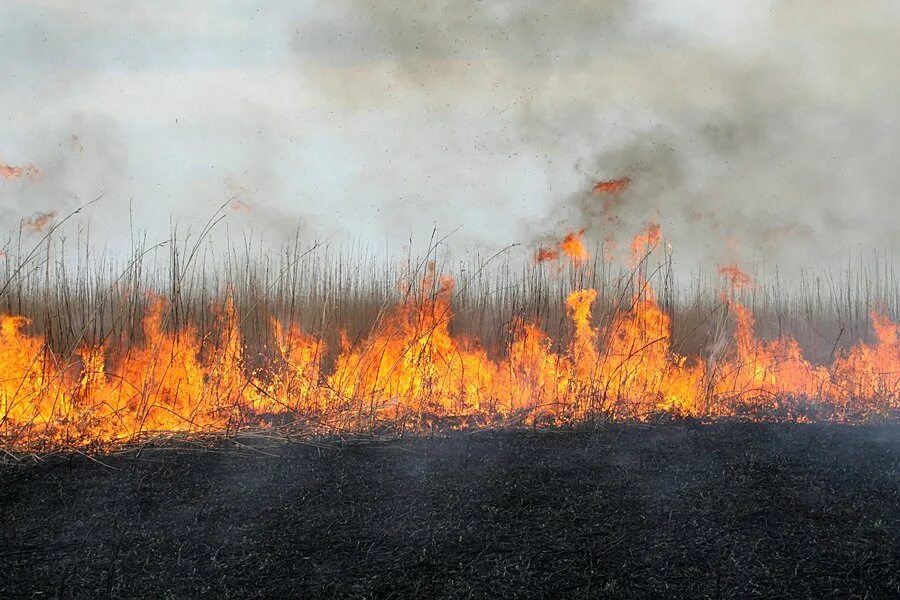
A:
75, 296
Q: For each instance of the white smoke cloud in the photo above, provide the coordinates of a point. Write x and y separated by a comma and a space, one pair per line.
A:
753, 129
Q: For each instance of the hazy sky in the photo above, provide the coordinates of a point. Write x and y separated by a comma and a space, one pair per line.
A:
747, 128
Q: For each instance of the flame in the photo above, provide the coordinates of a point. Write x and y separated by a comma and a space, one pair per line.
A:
644, 243
612, 186
302, 355
763, 373
870, 373
410, 369
39, 222
545, 254
571, 246
11, 173
738, 279
241, 207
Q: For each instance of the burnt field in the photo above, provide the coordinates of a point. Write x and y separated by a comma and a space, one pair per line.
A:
725, 510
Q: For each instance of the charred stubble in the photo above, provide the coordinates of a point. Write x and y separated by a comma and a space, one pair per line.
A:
727, 510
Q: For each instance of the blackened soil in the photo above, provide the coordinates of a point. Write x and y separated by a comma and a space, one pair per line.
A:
727, 510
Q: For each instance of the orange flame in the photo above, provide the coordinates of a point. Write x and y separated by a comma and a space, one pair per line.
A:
545, 254
645, 242
410, 369
571, 246
39, 222
612, 186
738, 279
11, 173
239, 206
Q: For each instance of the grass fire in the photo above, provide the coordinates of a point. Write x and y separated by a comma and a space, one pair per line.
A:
580, 371
470, 299
193, 365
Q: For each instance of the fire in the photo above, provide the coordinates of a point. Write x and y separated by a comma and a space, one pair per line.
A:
239, 206
39, 222
11, 173
610, 195
645, 242
571, 246
738, 279
612, 186
410, 370
764, 373
871, 372
545, 254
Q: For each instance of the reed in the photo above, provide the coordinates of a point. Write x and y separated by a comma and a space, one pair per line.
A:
245, 311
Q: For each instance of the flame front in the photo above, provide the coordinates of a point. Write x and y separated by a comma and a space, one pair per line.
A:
410, 369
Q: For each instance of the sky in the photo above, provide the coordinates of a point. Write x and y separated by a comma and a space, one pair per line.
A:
748, 130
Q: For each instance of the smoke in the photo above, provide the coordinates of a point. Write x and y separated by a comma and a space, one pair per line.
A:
78, 160
765, 130
753, 130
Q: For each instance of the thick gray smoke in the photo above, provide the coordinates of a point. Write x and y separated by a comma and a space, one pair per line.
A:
747, 130
755, 129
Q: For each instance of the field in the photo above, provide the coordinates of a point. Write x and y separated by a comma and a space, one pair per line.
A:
665, 510
200, 422
194, 339
586, 299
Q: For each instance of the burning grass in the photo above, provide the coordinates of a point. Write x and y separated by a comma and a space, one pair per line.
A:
212, 344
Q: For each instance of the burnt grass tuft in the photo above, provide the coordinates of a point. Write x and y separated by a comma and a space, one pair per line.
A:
680, 510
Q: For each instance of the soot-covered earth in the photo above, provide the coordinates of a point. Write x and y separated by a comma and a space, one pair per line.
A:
680, 510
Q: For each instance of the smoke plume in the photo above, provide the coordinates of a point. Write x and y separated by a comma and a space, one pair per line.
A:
753, 130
